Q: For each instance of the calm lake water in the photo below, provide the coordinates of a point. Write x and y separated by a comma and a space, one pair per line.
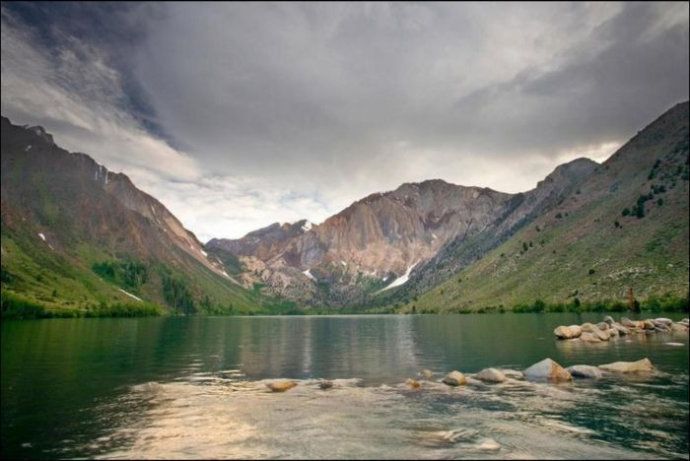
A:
195, 388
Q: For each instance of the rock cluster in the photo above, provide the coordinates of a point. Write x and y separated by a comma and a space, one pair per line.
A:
609, 328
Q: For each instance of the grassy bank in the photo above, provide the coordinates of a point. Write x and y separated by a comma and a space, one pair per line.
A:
14, 306
666, 303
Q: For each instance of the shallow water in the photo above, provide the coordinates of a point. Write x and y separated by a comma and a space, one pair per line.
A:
196, 388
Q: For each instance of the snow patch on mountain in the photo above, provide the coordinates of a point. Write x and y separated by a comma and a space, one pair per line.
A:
400, 280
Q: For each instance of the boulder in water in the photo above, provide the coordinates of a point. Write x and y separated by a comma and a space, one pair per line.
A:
548, 370
569, 332
622, 331
426, 374
589, 337
325, 385
584, 372
679, 327
662, 321
640, 366
281, 386
491, 375
455, 378
608, 319
595, 330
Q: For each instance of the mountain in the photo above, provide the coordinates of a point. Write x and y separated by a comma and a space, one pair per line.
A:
415, 232
626, 226
76, 236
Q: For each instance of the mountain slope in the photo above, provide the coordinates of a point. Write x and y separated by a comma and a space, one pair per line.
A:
364, 248
626, 226
75, 235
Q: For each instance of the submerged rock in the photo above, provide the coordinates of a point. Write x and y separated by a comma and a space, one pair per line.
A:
513, 374
426, 374
584, 371
640, 366
569, 332
281, 386
455, 378
487, 445
548, 370
491, 375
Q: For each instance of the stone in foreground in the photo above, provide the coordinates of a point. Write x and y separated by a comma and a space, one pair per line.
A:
455, 378
281, 386
547, 370
491, 375
640, 366
584, 372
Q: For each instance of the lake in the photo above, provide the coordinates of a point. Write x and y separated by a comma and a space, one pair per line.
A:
195, 388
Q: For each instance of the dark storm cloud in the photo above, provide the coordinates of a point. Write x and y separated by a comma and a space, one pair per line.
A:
240, 114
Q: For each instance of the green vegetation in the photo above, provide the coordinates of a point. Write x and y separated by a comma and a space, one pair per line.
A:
15, 306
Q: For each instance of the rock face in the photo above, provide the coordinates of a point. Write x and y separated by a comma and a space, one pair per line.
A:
381, 237
640, 366
547, 370
455, 378
570, 332
281, 386
584, 372
491, 375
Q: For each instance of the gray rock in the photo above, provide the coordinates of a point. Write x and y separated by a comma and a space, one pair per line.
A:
491, 375
603, 326
608, 319
326, 385
584, 372
662, 321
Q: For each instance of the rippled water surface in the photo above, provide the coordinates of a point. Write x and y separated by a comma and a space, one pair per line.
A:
196, 388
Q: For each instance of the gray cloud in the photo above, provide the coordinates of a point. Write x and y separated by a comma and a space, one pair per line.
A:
237, 115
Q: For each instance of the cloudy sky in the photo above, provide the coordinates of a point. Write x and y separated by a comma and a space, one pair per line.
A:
239, 115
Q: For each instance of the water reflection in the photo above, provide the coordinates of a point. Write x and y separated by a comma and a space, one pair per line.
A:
66, 384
